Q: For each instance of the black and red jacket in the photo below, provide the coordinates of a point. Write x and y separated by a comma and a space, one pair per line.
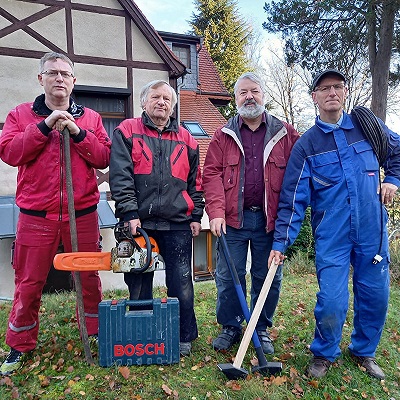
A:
155, 176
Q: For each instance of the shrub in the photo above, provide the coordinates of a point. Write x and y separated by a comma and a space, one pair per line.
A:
304, 242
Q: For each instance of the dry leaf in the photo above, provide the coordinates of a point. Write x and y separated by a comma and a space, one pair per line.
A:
166, 390
313, 383
279, 380
124, 371
14, 393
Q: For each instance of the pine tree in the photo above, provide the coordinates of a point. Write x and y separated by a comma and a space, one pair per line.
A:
226, 35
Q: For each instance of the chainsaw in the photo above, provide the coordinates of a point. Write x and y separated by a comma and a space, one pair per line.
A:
135, 254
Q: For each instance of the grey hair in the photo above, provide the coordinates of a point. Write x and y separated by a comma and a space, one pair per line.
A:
251, 76
53, 56
154, 85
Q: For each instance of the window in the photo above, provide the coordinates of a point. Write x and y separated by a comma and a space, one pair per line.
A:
194, 128
204, 256
110, 103
183, 53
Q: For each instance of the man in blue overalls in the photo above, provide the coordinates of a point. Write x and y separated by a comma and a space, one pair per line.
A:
334, 169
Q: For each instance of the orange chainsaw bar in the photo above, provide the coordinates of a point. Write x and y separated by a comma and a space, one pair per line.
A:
83, 261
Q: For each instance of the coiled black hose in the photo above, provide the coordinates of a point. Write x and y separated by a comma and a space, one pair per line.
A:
376, 137
373, 131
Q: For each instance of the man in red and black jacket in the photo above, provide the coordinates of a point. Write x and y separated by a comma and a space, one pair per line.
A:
155, 180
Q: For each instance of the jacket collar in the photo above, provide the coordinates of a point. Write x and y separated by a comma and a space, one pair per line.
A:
171, 127
39, 107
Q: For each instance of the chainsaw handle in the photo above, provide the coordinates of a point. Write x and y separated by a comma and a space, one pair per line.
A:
148, 249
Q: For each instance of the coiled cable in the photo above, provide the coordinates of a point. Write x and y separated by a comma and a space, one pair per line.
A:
378, 140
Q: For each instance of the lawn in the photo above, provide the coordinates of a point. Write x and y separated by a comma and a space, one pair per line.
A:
57, 368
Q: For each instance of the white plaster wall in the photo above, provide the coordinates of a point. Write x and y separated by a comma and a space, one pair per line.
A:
100, 75
141, 48
103, 3
102, 44
19, 83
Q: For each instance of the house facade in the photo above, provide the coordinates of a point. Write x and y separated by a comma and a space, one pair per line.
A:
115, 51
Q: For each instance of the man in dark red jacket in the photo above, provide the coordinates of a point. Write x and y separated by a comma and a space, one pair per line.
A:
31, 141
155, 181
243, 173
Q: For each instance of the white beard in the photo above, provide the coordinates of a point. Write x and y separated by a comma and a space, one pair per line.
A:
250, 112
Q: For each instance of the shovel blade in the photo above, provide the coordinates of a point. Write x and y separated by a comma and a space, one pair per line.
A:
83, 261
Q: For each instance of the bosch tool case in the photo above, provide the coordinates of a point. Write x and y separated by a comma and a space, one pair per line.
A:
138, 332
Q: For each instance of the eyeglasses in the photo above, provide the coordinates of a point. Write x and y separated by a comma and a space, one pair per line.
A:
325, 89
52, 73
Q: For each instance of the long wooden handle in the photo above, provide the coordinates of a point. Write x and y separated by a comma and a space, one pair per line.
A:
74, 245
255, 315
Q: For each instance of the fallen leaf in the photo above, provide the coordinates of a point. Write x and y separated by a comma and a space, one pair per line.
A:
347, 378
14, 393
279, 380
124, 371
313, 383
166, 390
234, 385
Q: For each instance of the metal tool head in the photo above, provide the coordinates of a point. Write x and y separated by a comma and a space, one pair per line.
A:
231, 372
270, 368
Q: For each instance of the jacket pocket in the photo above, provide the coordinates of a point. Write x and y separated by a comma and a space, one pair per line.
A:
277, 167
142, 157
180, 162
230, 171
365, 157
326, 171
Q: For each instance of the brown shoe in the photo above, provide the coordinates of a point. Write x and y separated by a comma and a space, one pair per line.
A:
370, 365
318, 367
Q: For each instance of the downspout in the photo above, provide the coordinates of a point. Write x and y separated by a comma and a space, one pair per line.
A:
178, 93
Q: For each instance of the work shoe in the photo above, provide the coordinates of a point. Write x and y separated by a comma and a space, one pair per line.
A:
318, 367
370, 365
185, 348
266, 342
11, 363
227, 338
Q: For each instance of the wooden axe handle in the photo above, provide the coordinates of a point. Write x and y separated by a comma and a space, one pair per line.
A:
255, 315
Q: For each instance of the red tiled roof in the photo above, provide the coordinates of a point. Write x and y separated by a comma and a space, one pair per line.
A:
195, 107
203, 146
198, 108
209, 78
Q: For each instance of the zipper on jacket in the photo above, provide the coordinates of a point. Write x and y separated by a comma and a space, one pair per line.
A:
143, 152
161, 169
178, 155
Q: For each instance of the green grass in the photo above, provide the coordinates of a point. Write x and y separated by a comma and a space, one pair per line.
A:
57, 368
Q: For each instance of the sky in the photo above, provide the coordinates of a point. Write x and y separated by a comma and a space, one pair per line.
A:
172, 15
